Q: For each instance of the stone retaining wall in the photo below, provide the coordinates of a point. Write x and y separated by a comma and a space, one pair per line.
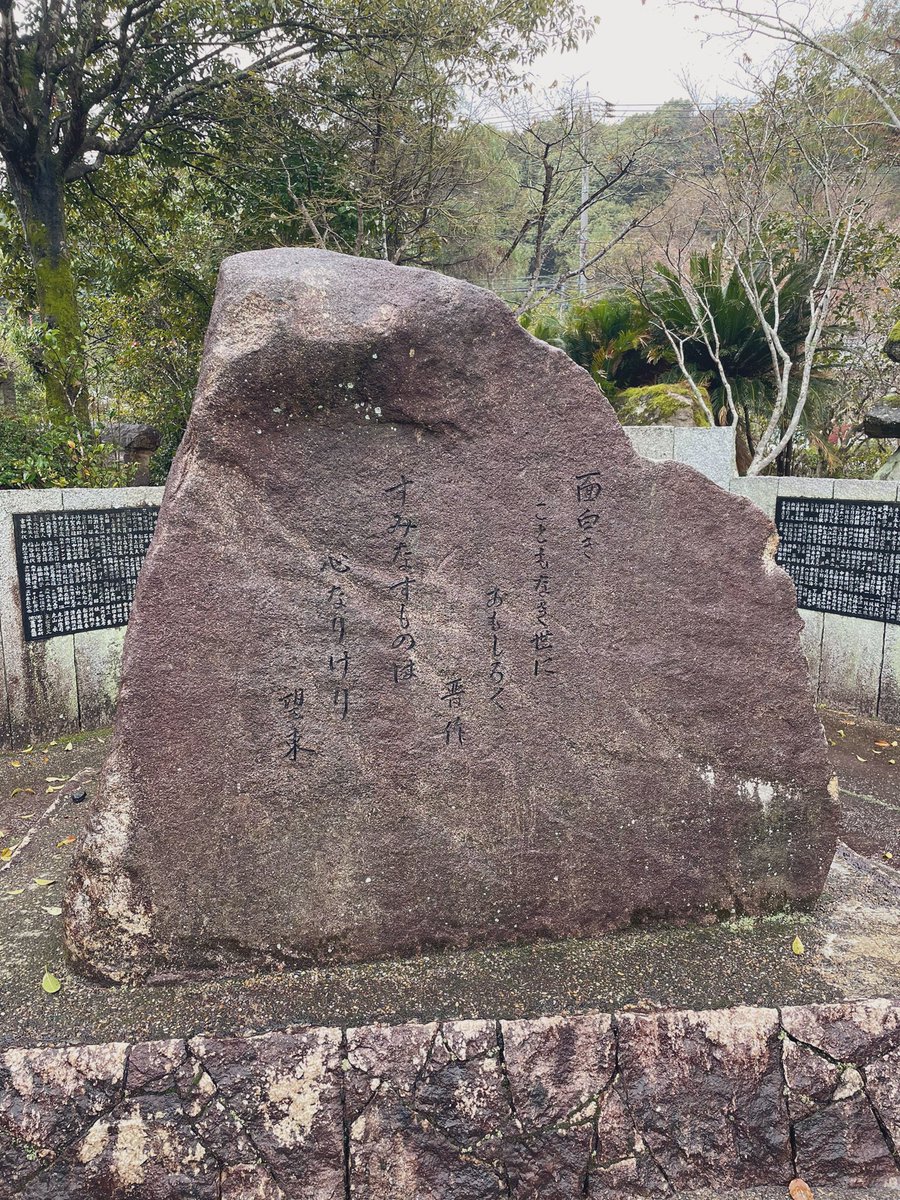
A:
633, 1104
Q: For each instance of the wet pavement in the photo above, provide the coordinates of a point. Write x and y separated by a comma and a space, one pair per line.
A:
851, 939
866, 757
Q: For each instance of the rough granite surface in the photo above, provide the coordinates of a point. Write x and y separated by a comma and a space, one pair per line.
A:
557, 1108
423, 655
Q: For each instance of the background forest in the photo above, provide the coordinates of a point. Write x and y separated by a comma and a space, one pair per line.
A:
737, 261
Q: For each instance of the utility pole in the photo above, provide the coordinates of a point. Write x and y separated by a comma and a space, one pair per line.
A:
585, 194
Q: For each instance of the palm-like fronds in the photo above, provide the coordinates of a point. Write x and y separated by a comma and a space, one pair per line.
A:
726, 311
711, 310
609, 338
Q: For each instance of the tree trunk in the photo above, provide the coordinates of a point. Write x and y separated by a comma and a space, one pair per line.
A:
38, 191
784, 463
743, 455
743, 441
7, 387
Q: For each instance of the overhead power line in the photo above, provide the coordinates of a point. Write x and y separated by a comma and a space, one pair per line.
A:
603, 110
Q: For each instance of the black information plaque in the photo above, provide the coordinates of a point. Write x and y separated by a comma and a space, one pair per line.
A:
843, 555
78, 570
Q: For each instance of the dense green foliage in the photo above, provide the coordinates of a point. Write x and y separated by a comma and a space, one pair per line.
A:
728, 332
320, 97
611, 338
347, 127
626, 341
36, 454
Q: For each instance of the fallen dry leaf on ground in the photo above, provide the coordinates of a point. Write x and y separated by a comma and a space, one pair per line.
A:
797, 946
799, 1189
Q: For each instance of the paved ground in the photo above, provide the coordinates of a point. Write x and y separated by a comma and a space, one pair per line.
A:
852, 939
866, 757
780, 1193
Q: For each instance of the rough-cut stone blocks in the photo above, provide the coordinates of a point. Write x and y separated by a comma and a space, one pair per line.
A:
556, 1108
734, 1122
842, 1072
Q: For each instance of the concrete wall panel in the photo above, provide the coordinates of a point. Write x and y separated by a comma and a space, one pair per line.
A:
865, 489
889, 693
811, 641
98, 652
41, 693
64, 683
762, 490
656, 442
852, 655
709, 451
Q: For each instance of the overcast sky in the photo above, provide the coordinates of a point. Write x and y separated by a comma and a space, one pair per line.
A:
640, 50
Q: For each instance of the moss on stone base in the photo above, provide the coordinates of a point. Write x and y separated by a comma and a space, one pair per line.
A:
660, 404
892, 345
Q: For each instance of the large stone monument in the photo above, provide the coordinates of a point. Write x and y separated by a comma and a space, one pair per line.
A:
423, 655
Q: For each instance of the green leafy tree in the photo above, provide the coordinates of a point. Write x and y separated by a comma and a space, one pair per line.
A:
87, 82
863, 50
566, 164
795, 201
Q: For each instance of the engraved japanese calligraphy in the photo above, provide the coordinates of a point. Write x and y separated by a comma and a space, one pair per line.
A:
542, 637
499, 663
588, 490
334, 568
402, 590
424, 656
